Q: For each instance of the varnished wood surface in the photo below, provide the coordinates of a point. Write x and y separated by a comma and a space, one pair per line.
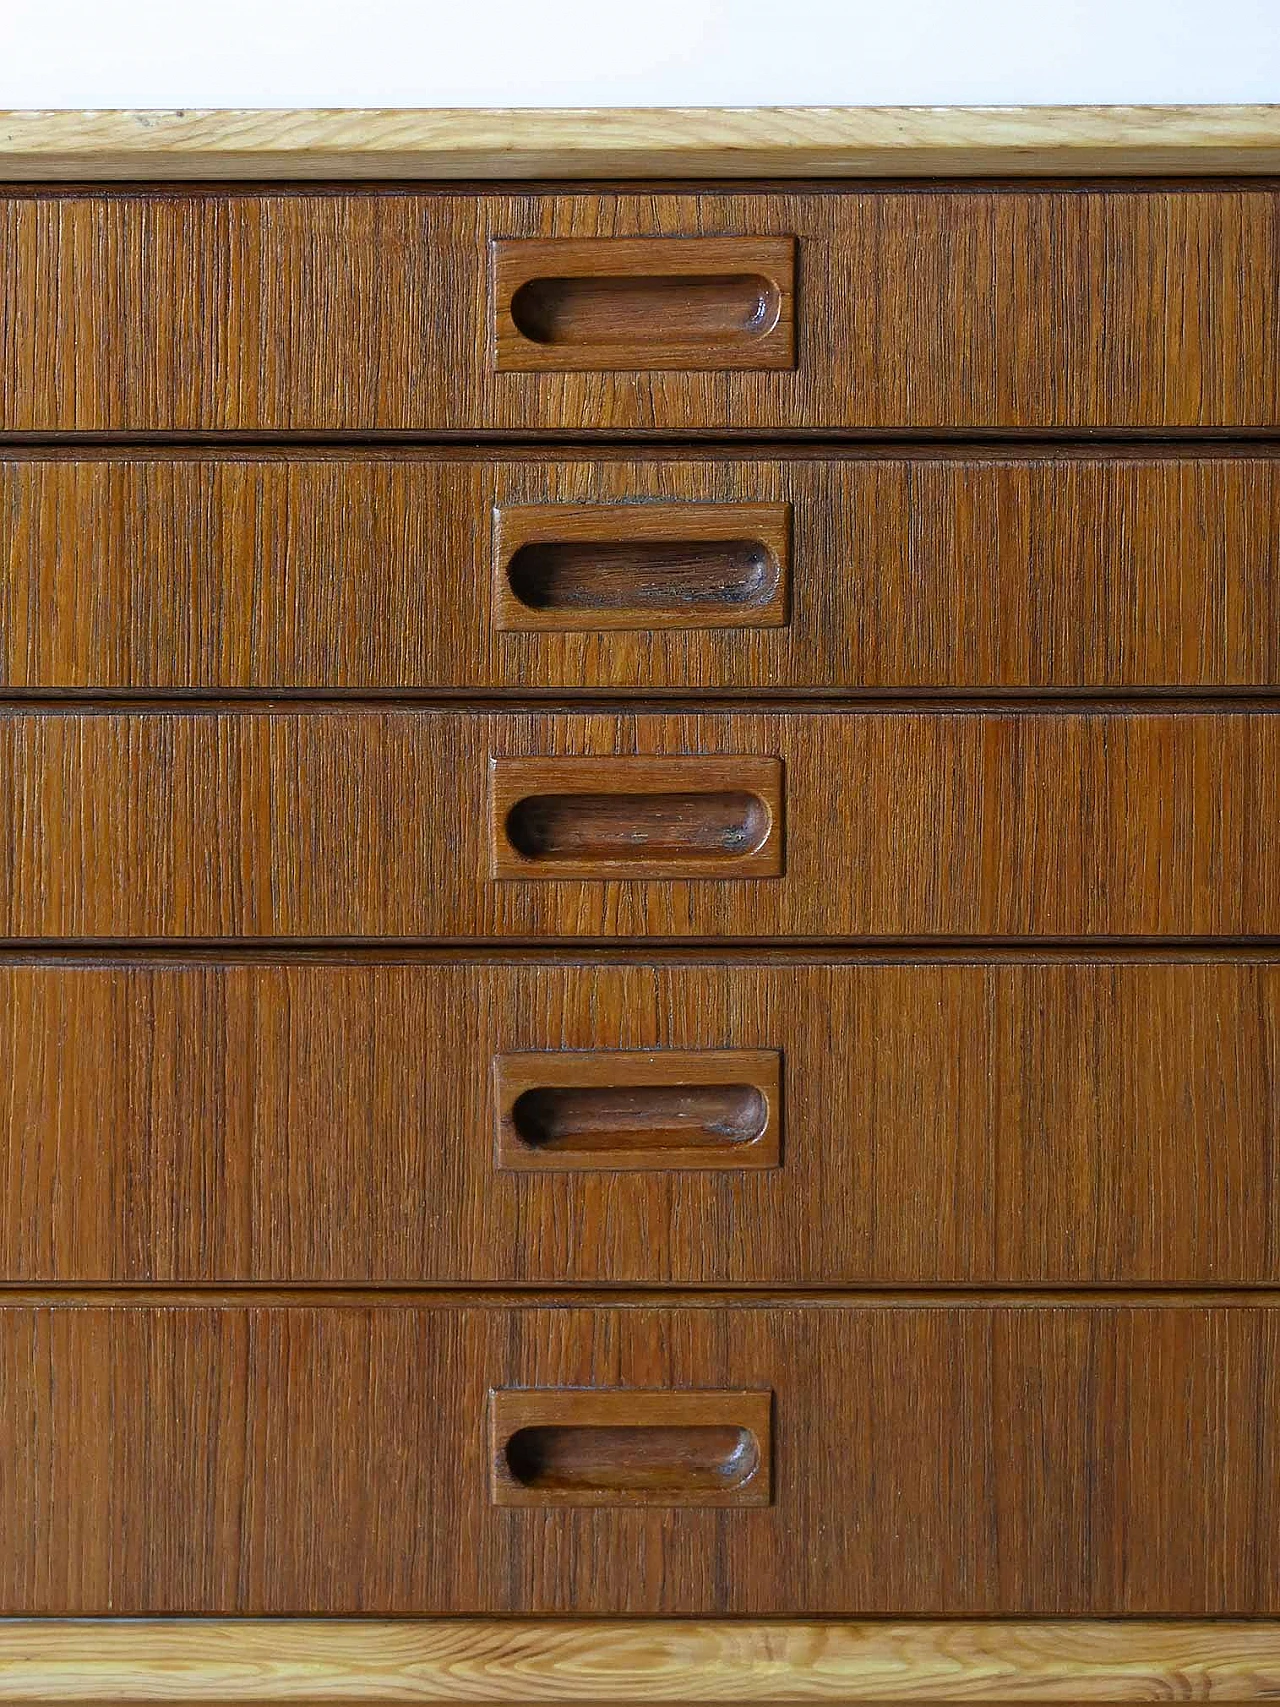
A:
1050, 1460
571, 305
367, 311
1008, 1124
640, 566
969, 1125
349, 572
613, 1447
617, 1661
629, 817
658, 1110
898, 824
646, 141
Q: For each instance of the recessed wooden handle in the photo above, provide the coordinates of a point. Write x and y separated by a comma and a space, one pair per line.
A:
649, 575
643, 302
648, 827
567, 1110
578, 1447
592, 1120
636, 817
706, 308
641, 565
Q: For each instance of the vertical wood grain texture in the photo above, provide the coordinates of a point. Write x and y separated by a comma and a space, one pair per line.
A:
617, 304
350, 572
354, 311
981, 1124
657, 1110
983, 1458
954, 1123
561, 1446
636, 817
640, 566
166, 824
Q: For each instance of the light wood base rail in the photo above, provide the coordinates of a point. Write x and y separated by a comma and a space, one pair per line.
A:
665, 1660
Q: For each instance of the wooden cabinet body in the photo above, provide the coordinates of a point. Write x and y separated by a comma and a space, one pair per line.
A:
640, 937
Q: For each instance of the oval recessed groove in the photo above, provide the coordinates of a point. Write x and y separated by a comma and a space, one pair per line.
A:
676, 576
582, 1458
664, 308
640, 827
605, 1119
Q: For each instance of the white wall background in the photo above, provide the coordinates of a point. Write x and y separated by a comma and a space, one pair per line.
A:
282, 53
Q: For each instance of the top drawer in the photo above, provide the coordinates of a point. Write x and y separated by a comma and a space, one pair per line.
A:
417, 311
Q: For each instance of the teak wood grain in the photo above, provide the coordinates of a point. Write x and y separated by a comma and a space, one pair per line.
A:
653, 1109
640, 565
630, 817
269, 1134
571, 305
1016, 569
430, 1661
928, 1459
1008, 1123
899, 824
570, 1446
358, 311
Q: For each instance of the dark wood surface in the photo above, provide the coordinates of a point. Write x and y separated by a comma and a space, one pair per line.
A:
984, 1457
574, 305
329, 823
641, 565
1014, 1122
653, 1110
629, 817
563, 1446
354, 311
1006, 569
759, 1119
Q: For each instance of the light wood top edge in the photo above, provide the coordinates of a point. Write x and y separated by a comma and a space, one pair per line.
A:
514, 143
664, 1660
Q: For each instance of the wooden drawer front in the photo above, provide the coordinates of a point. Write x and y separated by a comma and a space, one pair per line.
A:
512, 571
263, 824
944, 1123
204, 1457
231, 311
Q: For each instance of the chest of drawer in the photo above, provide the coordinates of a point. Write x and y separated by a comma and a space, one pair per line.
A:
922, 1459
967, 1120
459, 825
510, 571
639, 900
241, 311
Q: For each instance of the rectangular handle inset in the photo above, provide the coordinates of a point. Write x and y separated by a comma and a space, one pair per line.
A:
650, 818
641, 566
578, 1447
573, 1110
598, 303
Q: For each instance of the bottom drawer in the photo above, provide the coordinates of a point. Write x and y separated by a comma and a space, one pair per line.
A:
416, 1455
